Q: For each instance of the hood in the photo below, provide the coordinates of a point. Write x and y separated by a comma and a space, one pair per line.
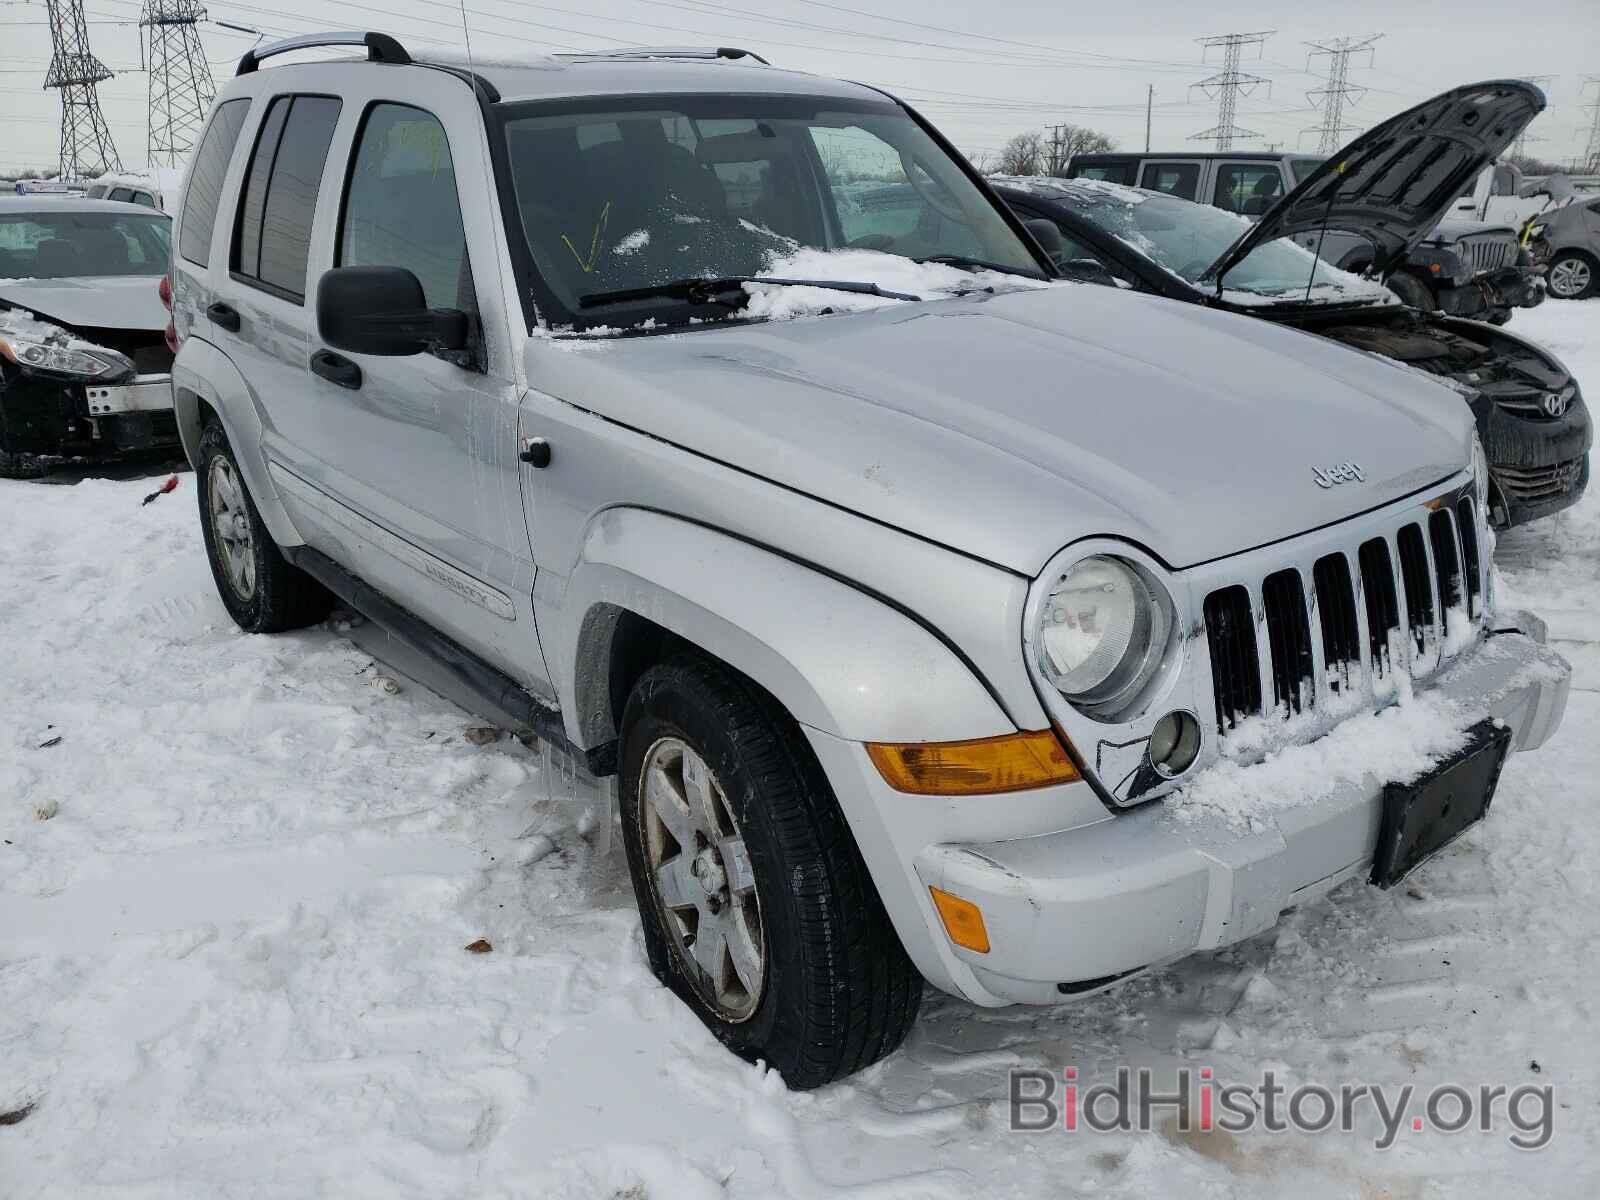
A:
1394, 182
1006, 427
99, 302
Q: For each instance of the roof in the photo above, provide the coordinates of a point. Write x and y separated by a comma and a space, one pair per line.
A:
168, 180
58, 203
560, 75
639, 71
1241, 155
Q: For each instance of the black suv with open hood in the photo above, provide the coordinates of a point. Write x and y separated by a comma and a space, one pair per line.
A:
1390, 186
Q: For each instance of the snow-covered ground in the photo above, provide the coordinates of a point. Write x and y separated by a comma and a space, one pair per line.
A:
233, 964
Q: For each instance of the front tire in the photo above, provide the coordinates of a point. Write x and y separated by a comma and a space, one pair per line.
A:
1572, 276
1413, 291
757, 909
262, 591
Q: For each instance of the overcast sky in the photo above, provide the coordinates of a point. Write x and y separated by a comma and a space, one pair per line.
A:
981, 71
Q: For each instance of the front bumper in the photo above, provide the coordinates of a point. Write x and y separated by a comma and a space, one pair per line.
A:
1537, 465
1072, 911
58, 419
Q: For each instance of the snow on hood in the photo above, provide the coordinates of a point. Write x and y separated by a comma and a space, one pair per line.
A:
1006, 426
891, 272
99, 302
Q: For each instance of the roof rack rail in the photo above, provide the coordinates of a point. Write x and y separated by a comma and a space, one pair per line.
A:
673, 52
380, 48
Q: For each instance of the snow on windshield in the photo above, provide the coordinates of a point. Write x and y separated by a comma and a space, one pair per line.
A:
891, 272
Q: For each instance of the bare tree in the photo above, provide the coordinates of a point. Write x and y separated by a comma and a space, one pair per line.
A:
1022, 155
1061, 142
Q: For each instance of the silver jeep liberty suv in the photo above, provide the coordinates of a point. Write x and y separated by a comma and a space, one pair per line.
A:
719, 426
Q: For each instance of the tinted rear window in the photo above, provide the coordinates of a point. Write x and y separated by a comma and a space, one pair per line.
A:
1120, 172
205, 180
273, 239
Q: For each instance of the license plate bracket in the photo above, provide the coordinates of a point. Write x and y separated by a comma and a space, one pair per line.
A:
1424, 816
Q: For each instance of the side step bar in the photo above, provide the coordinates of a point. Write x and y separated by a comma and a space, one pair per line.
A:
499, 697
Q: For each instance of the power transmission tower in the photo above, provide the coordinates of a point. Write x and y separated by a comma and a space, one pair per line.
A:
1519, 147
1591, 153
1228, 84
180, 78
86, 146
1333, 95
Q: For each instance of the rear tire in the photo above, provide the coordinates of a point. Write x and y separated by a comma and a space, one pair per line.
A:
1573, 275
809, 975
262, 591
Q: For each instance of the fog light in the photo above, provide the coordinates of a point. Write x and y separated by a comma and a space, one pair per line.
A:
963, 920
1174, 743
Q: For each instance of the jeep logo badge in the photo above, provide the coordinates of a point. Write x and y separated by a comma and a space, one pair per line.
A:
1345, 472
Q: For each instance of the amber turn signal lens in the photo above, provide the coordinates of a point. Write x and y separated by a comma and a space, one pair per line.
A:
1012, 762
963, 921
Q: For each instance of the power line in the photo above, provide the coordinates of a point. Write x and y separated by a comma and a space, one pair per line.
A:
1337, 91
1519, 147
1228, 84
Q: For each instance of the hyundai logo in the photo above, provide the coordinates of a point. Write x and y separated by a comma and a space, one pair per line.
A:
1345, 472
1554, 403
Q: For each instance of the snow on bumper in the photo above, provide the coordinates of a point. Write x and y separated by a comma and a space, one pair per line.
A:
1087, 906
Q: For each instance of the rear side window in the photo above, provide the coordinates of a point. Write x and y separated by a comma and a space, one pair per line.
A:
1110, 172
1174, 178
206, 173
1247, 188
123, 194
401, 207
272, 239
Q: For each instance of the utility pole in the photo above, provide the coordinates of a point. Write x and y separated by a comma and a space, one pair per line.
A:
1337, 91
1149, 103
180, 78
86, 146
1519, 147
1591, 153
1228, 84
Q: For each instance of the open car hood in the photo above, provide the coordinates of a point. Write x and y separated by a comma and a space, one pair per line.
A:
1395, 182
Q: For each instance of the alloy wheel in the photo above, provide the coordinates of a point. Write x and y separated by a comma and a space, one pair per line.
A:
1570, 277
230, 523
699, 869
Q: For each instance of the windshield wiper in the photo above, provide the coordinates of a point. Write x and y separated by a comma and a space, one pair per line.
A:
729, 290
962, 260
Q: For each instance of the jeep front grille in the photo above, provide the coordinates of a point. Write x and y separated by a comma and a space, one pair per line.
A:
1304, 637
1488, 254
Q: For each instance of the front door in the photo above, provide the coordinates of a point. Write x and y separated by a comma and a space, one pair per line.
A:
418, 454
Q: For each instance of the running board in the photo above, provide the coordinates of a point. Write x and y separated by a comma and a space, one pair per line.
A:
494, 694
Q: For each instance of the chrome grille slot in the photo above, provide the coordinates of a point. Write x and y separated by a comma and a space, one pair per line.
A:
1341, 611
1289, 640
1446, 561
1538, 483
1341, 632
1235, 669
1467, 522
1415, 576
1383, 607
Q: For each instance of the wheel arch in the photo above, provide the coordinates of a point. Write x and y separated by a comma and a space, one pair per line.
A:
836, 658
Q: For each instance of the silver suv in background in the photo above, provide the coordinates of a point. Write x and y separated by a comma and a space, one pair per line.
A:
809, 521
1566, 243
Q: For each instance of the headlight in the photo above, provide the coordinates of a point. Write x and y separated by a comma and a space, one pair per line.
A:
1103, 628
49, 356
1480, 478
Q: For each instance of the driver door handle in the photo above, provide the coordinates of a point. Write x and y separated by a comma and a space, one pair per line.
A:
336, 368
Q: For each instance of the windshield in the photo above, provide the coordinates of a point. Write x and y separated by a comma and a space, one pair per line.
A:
624, 193
61, 245
1186, 238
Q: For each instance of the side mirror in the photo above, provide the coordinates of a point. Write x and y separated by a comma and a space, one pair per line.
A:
1088, 270
1049, 238
381, 310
